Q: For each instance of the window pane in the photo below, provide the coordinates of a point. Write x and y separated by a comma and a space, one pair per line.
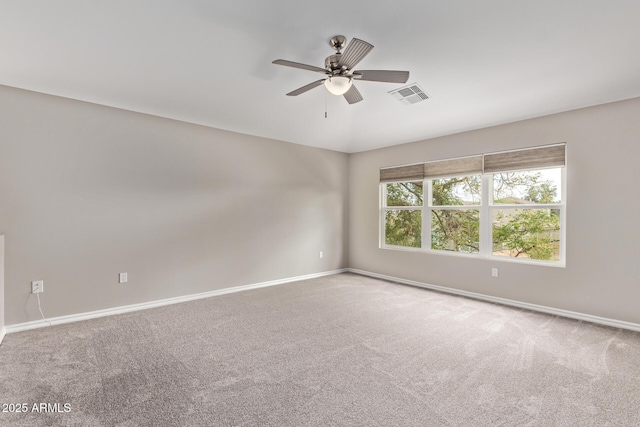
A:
455, 230
404, 194
527, 233
463, 190
529, 187
403, 228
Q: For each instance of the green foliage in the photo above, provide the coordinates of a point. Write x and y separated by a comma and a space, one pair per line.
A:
404, 227
544, 192
456, 230
508, 187
457, 191
404, 194
526, 232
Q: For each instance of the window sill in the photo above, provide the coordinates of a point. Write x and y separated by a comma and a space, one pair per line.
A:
492, 258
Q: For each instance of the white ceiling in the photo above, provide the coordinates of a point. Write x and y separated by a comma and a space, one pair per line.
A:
209, 62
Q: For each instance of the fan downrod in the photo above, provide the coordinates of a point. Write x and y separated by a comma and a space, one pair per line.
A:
331, 62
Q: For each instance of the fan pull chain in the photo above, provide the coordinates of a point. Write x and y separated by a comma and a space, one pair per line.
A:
325, 104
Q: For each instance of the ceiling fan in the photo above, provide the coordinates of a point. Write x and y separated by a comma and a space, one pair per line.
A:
339, 72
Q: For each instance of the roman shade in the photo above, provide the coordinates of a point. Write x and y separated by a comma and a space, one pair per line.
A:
526, 159
532, 158
402, 173
453, 167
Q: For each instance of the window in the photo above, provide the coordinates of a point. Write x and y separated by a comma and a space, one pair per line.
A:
454, 213
526, 214
403, 214
506, 205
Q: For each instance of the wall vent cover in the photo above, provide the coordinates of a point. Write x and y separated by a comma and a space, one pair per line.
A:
410, 94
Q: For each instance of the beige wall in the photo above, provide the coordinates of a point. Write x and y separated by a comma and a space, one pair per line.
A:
88, 191
602, 276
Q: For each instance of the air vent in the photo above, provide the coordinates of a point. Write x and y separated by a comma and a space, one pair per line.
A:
410, 94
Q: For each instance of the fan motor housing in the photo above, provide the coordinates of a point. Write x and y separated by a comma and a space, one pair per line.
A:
331, 63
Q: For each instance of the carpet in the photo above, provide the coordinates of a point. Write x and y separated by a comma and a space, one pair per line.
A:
342, 350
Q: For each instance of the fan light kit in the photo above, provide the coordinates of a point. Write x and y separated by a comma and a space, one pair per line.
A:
338, 85
339, 73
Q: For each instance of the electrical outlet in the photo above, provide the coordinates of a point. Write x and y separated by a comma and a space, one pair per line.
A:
122, 278
321, 254
37, 286
494, 272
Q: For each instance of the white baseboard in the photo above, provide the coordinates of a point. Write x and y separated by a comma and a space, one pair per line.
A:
533, 307
3, 331
18, 327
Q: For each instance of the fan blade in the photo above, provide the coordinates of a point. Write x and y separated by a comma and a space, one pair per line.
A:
305, 88
299, 65
353, 95
382, 76
354, 53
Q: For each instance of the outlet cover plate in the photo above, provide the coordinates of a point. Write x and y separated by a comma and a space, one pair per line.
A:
37, 286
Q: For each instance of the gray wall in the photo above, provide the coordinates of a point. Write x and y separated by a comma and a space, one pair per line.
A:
88, 191
602, 276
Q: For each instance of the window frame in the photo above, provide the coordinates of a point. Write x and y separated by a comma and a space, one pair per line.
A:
529, 206
485, 210
384, 208
430, 207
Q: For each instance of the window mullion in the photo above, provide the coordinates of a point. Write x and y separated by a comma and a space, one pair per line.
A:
426, 214
563, 215
383, 214
485, 215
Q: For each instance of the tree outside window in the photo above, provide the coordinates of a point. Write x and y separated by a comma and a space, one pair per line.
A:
523, 210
